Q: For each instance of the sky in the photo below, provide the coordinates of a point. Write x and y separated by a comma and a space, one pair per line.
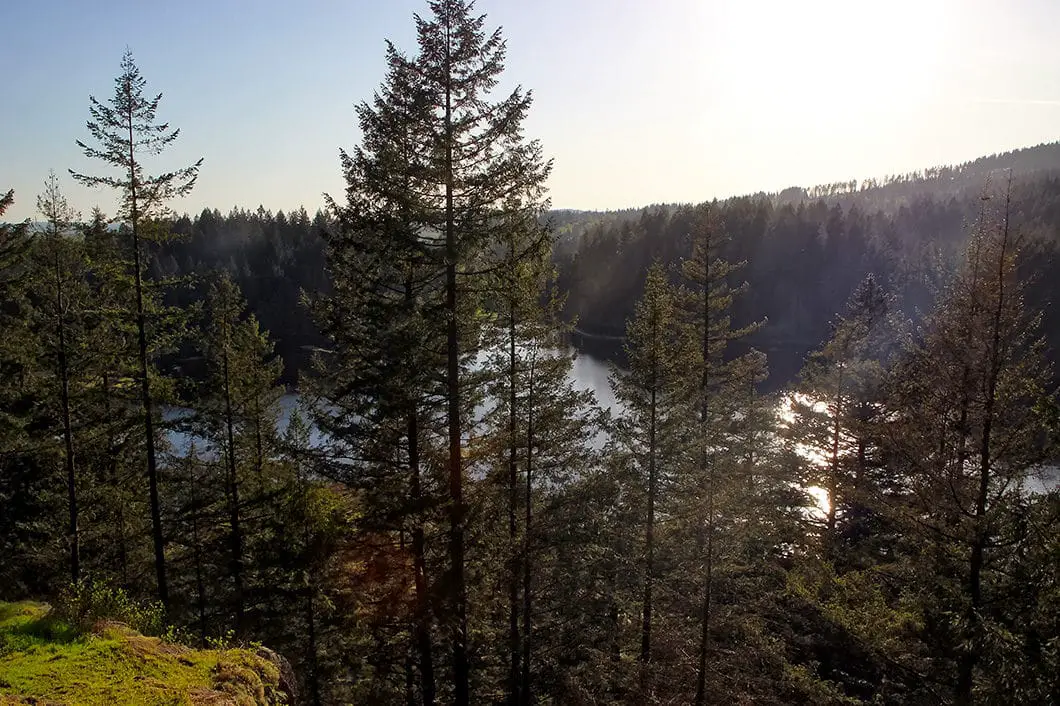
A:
637, 101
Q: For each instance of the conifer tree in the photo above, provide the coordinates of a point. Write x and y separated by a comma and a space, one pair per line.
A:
198, 517
839, 405
223, 314
20, 479
124, 132
238, 413
648, 425
430, 197
13, 243
523, 302
110, 405
704, 312
478, 163
547, 430
58, 292
380, 386
970, 405
311, 544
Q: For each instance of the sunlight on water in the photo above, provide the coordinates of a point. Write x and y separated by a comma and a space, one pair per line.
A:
820, 499
787, 416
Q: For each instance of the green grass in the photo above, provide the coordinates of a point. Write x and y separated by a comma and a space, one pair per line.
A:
44, 658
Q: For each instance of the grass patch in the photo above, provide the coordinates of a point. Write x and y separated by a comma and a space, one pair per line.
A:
45, 658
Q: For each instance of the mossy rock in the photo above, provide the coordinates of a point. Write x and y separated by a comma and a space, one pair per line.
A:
45, 662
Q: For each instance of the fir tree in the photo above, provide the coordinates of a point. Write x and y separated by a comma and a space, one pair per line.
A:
21, 480
125, 131
58, 296
380, 385
648, 424
238, 413
838, 408
111, 402
971, 403
441, 174
707, 389
478, 163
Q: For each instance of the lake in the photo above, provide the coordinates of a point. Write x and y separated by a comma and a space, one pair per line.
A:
587, 373
591, 373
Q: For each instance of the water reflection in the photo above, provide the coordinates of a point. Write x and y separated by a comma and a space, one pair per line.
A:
591, 373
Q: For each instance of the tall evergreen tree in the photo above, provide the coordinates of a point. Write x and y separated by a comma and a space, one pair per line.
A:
125, 131
61, 291
705, 308
543, 431
478, 164
381, 383
237, 410
13, 242
971, 404
430, 195
649, 421
111, 407
20, 479
519, 318
838, 407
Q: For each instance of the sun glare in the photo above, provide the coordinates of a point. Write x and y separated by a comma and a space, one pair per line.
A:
865, 61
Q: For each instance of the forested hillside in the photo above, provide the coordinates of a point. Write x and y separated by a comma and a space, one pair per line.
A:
828, 475
806, 254
806, 249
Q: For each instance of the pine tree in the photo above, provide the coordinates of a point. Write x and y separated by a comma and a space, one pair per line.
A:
199, 516
125, 131
707, 388
548, 429
430, 196
59, 292
380, 385
648, 426
21, 481
838, 407
311, 551
14, 242
238, 409
110, 406
969, 409
223, 313
478, 164
523, 302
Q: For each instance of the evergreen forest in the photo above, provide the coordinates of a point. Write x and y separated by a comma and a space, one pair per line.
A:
829, 474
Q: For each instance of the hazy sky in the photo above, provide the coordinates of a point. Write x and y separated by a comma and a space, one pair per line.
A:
638, 101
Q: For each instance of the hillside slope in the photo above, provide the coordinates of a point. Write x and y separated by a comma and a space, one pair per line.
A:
45, 661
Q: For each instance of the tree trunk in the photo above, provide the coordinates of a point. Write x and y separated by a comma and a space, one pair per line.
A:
145, 389
112, 462
423, 627
527, 694
707, 468
200, 586
311, 647
976, 560
649, 532
312, 659
73, 534
259, 446
704, 637
513, 492
235, 535
833, 471
458, 589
